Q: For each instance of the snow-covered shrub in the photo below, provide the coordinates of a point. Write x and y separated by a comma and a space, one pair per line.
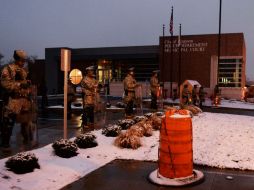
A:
22, 163
120, 105
148, 115
128, 140
126, 123
147, 127
137, 130
111, 130
108, 105
139, 118
86, 140
159, 113
65, 148
156, 121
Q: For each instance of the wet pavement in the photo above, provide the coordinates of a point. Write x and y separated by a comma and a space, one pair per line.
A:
235, 111
122, 174
130, 174
50, 128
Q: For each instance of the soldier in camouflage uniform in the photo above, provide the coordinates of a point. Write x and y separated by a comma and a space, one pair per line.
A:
16, 90
201, 94
195, 96
89, 88
154, 86
129, 91
186, 95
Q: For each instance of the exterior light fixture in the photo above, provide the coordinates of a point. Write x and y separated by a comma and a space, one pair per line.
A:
75, 76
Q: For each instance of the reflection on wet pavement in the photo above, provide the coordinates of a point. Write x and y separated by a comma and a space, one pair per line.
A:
50, 128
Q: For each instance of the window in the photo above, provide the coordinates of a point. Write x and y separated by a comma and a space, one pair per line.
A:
230, 72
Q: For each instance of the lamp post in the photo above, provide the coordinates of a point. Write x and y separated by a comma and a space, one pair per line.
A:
65, 66
171, 50
180, 56
219, 42
163, 53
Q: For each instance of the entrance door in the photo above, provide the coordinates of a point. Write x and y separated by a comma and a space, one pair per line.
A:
104, 74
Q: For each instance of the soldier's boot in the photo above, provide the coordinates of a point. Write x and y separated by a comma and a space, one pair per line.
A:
129, 112
25, 132
84, 127
91, 126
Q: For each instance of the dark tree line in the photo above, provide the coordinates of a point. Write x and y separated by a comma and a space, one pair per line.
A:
30, 59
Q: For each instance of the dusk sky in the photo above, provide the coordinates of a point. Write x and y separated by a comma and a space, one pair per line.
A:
34, 25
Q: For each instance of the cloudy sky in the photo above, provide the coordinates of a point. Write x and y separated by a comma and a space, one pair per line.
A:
34, 25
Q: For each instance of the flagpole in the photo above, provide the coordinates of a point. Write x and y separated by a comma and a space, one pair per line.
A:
180, 56
171, 51
219, 42
163, 53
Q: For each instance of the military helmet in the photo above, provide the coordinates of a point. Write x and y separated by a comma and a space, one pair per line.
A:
19, 55
90, 68
131, 69
156, 71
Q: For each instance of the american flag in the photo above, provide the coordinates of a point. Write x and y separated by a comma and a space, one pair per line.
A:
171, 23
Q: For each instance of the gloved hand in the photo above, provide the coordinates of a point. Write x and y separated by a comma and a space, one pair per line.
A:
24, 85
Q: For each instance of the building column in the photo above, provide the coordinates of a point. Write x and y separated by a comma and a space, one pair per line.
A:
214, 71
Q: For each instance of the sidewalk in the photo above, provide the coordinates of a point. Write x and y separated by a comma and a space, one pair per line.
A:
129, 174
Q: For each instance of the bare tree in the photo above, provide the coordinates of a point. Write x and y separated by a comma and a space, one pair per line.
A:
1, 59
31, 59
10, 61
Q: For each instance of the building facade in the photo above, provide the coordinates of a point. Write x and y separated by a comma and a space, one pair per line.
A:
195, 58
112, 63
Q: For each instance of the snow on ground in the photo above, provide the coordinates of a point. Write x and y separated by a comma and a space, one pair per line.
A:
219, 140
224, 140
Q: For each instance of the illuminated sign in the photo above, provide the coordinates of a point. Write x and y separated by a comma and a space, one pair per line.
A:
186, 46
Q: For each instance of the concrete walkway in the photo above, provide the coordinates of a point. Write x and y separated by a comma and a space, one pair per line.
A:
133, 175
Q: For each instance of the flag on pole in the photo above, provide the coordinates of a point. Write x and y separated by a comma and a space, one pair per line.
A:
171, 24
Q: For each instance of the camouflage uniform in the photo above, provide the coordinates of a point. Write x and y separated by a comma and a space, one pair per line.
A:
129, 91
201, 94
195, 96
16, 99
89, 89
154, 85
185, 95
